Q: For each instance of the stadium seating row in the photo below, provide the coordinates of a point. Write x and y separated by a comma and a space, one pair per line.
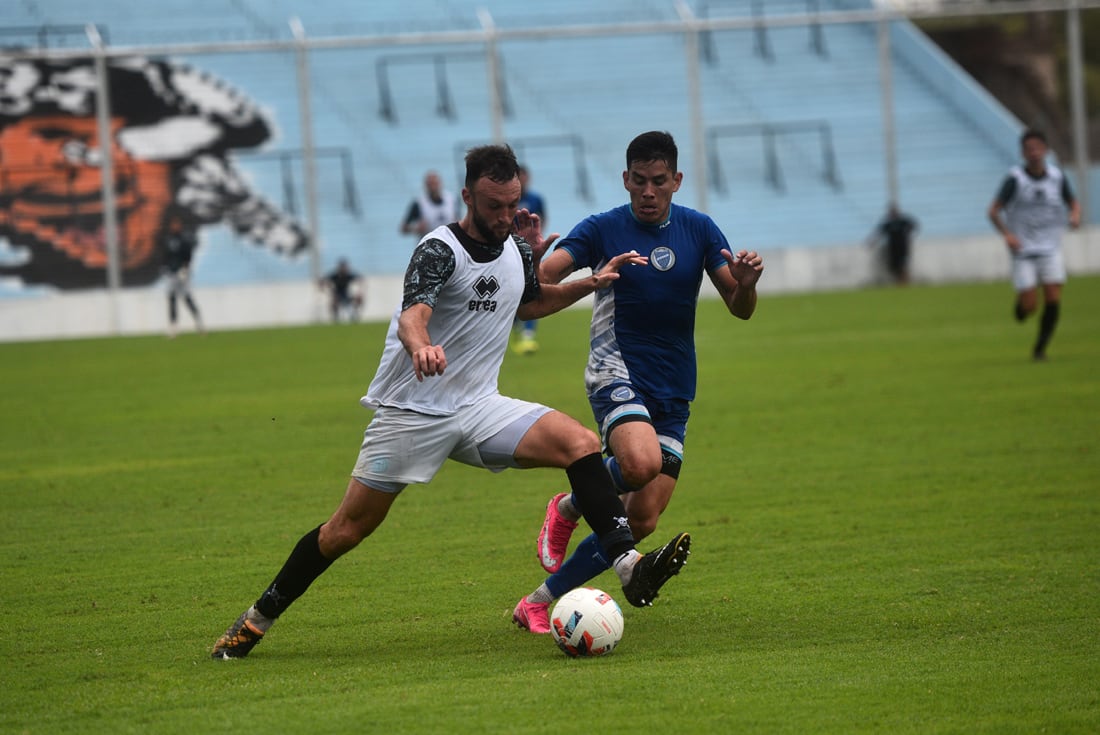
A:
386, 113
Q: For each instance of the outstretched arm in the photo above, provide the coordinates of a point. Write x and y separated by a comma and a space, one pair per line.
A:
554, 297
736, 283
556, 266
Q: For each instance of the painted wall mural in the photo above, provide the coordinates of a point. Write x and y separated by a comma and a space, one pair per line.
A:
174, 130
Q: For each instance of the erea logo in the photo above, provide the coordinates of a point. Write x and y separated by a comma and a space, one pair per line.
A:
485, 289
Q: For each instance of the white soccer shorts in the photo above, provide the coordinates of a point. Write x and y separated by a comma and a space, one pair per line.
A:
1028, 271
402, 447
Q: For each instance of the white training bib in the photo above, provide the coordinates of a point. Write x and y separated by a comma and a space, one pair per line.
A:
472, 321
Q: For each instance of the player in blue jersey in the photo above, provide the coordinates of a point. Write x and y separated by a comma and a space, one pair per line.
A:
534, 203
641, 370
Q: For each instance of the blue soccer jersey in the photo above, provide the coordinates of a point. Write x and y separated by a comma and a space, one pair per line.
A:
643, 326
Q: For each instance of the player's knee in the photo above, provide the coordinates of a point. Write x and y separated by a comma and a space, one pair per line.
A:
638, 469
340, 535
638, 465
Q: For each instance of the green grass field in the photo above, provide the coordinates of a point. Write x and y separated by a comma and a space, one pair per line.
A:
896, 522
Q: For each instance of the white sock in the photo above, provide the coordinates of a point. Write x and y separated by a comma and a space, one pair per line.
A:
567, 510
624, 565
542, 594
258, 619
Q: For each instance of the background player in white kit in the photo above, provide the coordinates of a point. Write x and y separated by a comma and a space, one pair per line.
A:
435, 397
1037, 202
433, 207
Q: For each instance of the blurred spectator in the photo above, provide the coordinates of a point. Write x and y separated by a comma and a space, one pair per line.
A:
895, 234
434, 207
179, 244
345, 290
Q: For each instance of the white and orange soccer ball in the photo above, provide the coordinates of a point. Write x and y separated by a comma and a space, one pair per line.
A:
586, 622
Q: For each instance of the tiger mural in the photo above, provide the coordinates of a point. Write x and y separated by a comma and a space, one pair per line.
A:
172, 130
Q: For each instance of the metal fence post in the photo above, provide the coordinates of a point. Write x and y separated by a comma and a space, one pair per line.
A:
1077, 109
495, 102
886, 80
107, 174
698, 137
309, 162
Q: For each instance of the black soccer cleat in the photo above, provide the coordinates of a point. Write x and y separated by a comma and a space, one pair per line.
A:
655, 568
241, 638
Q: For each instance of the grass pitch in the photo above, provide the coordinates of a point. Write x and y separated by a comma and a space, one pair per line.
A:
896, 522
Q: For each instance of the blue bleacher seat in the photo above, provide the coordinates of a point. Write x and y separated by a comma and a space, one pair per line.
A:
602, 90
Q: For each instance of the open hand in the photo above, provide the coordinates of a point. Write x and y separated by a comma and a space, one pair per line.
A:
745, 267
610, 272
529, 227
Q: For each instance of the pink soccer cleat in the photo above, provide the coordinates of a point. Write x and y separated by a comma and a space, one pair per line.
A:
554, 536
534, 616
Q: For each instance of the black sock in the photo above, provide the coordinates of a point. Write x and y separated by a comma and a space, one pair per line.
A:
304, 565
600, 505
1047, 324
1019, 312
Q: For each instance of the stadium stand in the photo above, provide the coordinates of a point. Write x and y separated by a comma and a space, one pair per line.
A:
792, 115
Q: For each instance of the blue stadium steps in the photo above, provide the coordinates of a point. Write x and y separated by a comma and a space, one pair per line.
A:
793, 117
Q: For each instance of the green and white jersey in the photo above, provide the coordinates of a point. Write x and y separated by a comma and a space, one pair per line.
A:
1036, 210
474, 292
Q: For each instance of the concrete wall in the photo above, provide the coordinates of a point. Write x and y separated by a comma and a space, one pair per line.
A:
144, 311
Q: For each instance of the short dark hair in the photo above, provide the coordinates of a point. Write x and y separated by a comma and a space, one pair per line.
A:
1033, 134
497, 162
652, 146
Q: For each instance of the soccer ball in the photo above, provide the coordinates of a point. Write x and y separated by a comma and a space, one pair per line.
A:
586, 622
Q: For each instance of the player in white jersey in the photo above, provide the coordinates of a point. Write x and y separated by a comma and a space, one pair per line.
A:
435, 396
641, 370
435, 206
1031, 211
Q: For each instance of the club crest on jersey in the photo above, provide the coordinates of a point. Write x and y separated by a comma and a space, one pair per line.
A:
622, 393
662, 258
485, 289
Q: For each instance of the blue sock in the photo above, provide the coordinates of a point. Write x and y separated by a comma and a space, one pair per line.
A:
586, 562
612, 466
